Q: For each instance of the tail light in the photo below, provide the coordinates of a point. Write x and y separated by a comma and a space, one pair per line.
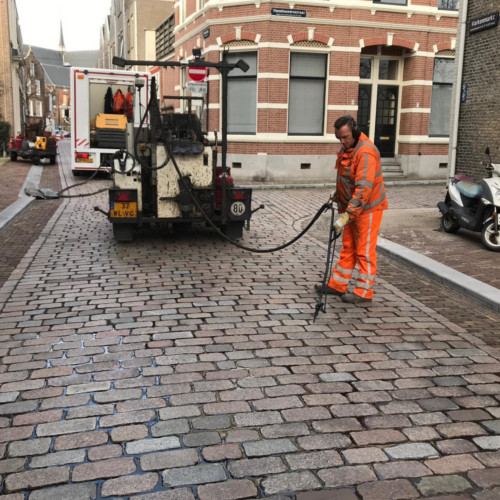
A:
238, 195
123, 195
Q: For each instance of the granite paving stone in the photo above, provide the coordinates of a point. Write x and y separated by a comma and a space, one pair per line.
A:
442, 485
487, 442
228, 490
268, 447
198, 474
73, 491
411, 451
128, 485
397, 489
314, 460
347, 475
292, 481
169, 459
256, 466
337, 494
486, 478
402, 469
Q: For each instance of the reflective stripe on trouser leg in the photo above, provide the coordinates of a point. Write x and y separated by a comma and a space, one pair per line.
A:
366, 234
342, 271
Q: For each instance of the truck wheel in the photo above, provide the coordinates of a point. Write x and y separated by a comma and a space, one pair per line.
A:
36, 161
52, 160
234, 229
123, 232
490, 240
13, 156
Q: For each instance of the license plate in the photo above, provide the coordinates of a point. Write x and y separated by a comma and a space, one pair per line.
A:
85, 160
123, 209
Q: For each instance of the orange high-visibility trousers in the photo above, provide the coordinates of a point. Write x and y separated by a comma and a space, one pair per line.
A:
359, 243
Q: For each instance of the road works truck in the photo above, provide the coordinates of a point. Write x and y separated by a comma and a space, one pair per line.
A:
103, 101
168, 172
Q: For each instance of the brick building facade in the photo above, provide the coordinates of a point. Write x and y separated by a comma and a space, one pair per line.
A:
37, 104
479, 87
11, 67
129, 30
387, 62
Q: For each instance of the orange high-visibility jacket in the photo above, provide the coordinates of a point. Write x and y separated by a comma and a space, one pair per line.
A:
360, 187
118, 102
128, 104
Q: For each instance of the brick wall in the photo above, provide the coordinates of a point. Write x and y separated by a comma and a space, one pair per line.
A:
6, 104
479, 121
343, 34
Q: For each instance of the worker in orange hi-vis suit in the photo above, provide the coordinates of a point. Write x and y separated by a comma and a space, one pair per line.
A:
361, 200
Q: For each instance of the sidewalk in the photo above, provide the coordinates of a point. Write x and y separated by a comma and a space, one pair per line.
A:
23, 218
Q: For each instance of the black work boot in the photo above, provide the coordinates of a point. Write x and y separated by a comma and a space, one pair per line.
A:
352, 298
328, 290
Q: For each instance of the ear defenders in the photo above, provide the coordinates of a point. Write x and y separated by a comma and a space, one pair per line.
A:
356, 132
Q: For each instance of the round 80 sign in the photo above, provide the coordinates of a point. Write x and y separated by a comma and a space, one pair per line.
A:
198, 74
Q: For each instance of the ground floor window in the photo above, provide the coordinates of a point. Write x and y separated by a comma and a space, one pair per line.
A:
442, 83
242, 95
306, 97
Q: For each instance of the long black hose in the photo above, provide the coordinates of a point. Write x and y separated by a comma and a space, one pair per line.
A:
155, 115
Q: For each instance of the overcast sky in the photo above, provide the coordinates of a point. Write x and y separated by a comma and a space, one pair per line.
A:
81, 21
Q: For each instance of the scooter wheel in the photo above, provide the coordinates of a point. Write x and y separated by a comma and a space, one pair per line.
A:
490, 239
448, 225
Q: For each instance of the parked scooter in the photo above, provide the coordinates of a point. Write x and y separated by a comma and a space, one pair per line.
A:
474, 205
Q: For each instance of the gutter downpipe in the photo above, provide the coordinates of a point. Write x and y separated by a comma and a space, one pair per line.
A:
458, 90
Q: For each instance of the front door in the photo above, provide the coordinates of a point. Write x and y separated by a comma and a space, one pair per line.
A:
380, 78
386, 118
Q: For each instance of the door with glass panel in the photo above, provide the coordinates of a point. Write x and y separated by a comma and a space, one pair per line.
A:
385, 126
378, 101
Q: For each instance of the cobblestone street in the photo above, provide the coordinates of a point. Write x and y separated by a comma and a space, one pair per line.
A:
178, 367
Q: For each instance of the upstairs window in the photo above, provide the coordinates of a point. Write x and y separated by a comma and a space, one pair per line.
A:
165, 37
448, 4
392, 2
37, 87
306, 100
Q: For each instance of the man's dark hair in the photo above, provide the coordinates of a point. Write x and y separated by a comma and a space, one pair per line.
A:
345, 120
